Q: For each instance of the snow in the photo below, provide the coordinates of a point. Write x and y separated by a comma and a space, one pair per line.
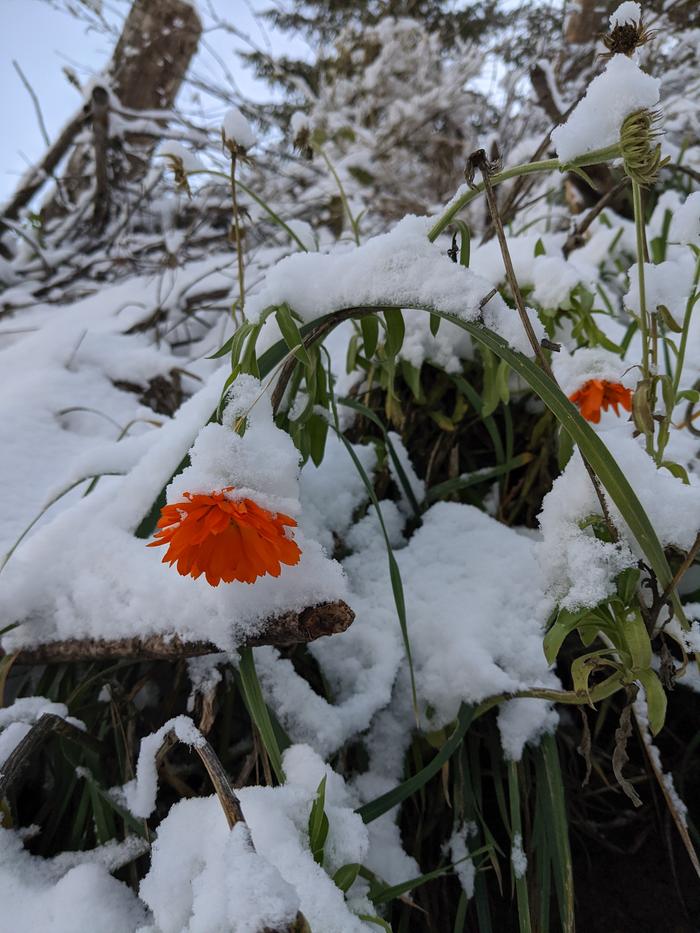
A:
668, 283
572, 370
673, 509
175, 150
459, 854
140, 793
469, 638
685, 223
205, 877
627, 12
236, 129
595, 123
396, 269
518, 858
137, 594
17, 720
55, 897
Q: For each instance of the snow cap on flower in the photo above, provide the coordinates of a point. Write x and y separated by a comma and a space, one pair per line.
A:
236, 132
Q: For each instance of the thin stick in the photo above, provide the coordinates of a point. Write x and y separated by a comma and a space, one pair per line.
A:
481, 162
35, 101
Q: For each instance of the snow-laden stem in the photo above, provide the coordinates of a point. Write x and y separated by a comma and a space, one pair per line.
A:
526, 168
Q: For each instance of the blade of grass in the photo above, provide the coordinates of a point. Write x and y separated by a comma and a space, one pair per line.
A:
255, 704
375, 808
524, 922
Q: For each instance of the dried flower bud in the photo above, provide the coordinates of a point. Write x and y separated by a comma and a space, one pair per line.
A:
627, 32
641, 153
479, 160
236, 133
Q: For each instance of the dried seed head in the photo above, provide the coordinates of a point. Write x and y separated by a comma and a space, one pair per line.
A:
624, 37
641, 153
479, 160
176, 164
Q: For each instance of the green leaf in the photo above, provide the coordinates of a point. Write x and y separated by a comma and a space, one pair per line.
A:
656, 700
375, 808
636, 637
565, 623
626, 584
539, 248
318, 823
377, 921
391, 450
550, 789
451, 486
668, 319
345, 877
290, 332
465, 242
435, 321
258, 711
317, 431
369, 326
411, 375
524, 921
676, 470
395, 330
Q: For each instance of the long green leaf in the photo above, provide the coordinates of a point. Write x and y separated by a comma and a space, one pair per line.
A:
255, 703
375, 808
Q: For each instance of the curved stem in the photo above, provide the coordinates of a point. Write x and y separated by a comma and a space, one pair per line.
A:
527, 168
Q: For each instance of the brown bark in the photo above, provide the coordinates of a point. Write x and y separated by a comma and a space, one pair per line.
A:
151, 58
585, 21
288, 629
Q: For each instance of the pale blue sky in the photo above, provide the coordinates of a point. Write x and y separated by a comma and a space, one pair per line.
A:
43, 39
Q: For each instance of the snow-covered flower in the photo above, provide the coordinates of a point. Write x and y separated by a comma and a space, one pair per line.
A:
225, 539
236, 132
597, 394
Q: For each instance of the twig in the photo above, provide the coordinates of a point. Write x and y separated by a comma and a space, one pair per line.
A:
683, 569
100, 139
288, 629
19, 758
35, 100
575, 239
478, 160
38, 176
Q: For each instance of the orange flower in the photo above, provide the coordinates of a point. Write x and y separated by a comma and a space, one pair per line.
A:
599, 393
225, 539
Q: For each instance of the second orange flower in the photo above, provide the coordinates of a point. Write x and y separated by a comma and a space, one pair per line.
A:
597, 394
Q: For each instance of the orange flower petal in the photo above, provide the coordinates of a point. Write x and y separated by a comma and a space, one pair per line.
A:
224, 539
597, 394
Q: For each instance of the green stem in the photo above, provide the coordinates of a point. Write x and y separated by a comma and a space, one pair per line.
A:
237, 232
527, 168
643, 317
258, 200
643, 311
343, 196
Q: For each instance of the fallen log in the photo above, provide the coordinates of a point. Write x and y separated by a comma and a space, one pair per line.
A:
290, 628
